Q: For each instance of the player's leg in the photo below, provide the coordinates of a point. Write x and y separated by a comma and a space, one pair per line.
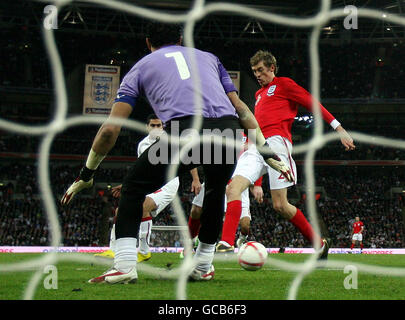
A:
216, 179
245, 219
360, 239
211, 219
112, 239
217, 174
279, 186
244, 231
294, 215
353, 243
145, 229
233, 212
126, 230
142, 179
154, 203
249, 168
194, 223
110, 252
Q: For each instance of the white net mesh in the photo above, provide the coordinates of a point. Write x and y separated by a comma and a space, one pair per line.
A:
60, 122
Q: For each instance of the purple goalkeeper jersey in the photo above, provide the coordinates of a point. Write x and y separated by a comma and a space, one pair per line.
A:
164, 78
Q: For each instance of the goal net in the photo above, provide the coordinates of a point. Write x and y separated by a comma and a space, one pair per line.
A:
199, 10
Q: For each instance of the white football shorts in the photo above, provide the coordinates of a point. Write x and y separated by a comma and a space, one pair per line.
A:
357, 237
164, 195
199, 198
252, 166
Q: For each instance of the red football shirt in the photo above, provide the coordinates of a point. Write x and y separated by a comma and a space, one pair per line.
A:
357, 226
277, 105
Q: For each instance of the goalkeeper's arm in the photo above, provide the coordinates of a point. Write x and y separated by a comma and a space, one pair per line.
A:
249, 122
246, 117
103, 142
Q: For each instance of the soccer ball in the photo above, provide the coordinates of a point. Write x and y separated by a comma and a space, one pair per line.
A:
252, 256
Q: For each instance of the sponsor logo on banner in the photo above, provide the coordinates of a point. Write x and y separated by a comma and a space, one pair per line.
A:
101, 69
45, 249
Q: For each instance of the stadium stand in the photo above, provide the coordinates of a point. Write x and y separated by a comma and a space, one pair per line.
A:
347, 192
367, 97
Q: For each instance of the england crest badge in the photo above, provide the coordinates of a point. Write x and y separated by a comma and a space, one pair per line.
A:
271, 90
101, 89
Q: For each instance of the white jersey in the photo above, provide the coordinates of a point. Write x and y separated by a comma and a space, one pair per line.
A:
145, 144
165, 195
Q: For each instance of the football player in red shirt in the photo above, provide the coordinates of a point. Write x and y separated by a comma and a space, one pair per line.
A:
276, 107
357, 234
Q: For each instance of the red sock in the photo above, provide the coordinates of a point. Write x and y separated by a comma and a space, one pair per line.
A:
352, 246
146, 219
304, 227
232, 217
193, 226
361, 246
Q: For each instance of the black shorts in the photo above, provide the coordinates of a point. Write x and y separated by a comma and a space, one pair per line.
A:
145, 176
151, 175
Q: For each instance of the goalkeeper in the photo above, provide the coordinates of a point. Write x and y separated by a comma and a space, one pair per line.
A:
164, 77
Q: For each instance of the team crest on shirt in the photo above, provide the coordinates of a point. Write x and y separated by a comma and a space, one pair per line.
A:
271, 90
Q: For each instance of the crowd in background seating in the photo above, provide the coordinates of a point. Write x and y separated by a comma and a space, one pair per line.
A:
347, 70
348, 192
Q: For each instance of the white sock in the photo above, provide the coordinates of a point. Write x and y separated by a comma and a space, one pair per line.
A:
112, 238
144, 236
225, 243
194, 241
243, 236
126, 254
204, 256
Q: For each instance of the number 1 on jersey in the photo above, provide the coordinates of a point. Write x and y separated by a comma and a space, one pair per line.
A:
181, 64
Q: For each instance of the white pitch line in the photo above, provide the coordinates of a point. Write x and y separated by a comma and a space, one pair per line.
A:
278, 269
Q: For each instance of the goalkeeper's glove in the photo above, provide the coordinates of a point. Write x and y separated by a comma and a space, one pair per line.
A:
275, 162
83, 181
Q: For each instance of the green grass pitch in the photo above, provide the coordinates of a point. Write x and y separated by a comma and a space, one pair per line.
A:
231, 282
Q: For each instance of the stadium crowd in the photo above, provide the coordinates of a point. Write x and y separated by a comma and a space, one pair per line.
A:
77, 142
22, 217
348, 192
27, 61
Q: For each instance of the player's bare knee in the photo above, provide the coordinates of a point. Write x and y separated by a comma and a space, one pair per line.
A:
148, 206
195, 212
283, 209
235, 188
278, 206
245, 225
233, 191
